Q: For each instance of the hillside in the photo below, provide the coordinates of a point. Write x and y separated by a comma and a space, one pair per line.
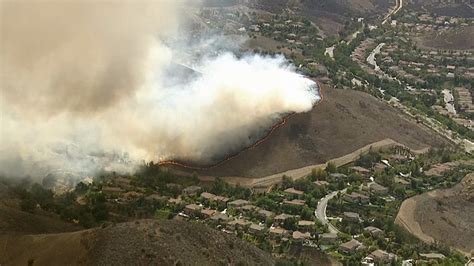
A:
459, 8
44, 239
337, 7
442, 215
453, 39
343, 122
143, 242
329, 15
15, 221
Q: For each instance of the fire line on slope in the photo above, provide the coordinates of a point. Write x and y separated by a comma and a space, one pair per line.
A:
257, 143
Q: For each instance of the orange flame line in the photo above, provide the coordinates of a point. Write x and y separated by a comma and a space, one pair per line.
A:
254, 145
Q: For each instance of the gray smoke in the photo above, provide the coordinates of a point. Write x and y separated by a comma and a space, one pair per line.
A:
88, 85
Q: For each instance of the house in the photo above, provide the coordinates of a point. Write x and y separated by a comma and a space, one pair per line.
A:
175, 201
360, 170
373, 231
256, 229
438, 169
112, 190
248, 208
401, 182
278, 232
351, 246
174, 187
299, 236
432, 256
356, 198
305, 225
294, 192
192, 209
221, 201
155, 197
281, 218
132, 195
399, 158
239, 224
219, 218
380, 256
207, 213
207, 197
237, 203
265, 215
328, 238
378, 189
191, 190
295, 202
379, 167
351, 217
337, 175
321, 183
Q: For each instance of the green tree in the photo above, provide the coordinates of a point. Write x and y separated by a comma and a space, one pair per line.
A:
331, 167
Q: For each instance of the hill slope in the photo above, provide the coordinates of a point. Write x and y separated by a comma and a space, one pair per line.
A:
343, 122
443, 215
143, 242
44, 239
328, 15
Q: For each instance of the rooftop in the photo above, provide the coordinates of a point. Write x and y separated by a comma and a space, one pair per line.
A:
266, 213
257, 227
329, 236
220, 216
432, 256
351, 244
351, 215
192, 189
238, 202
277, 230
321, 183
208, 195
377, 187
305, 223
193, 206
360, 169
296, 202
293, 191
283, 216
300, 235
373, 230
208, 212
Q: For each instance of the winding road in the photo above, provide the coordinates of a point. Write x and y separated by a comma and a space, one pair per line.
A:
398, 6
320, 211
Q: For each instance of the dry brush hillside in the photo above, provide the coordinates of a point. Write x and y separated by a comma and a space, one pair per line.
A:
343, 122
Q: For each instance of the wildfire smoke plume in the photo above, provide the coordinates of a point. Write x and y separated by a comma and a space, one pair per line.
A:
85, 86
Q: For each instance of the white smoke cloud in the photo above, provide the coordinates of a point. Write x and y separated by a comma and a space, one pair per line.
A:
114, 107
228, 106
